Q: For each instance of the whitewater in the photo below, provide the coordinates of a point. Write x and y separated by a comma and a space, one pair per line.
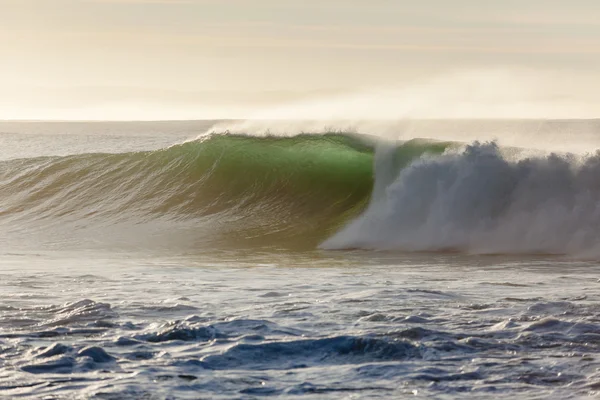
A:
250, 259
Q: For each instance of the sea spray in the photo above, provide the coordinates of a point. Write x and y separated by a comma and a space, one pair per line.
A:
480, 200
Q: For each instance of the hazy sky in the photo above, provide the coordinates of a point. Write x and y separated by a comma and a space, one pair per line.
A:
58, 56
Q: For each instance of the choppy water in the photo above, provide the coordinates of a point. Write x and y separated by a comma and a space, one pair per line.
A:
153, 305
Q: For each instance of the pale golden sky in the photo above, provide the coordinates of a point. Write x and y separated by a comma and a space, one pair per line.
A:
113, 58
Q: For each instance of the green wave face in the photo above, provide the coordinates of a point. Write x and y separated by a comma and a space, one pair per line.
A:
264, 190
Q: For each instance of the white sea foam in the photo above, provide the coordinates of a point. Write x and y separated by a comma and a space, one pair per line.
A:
482, 201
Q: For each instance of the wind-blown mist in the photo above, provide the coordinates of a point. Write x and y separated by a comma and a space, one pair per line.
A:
465, 94
454, 107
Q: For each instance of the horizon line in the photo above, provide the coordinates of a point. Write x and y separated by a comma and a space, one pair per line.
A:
33, 120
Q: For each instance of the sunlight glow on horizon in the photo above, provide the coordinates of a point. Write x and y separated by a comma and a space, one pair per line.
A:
155, 59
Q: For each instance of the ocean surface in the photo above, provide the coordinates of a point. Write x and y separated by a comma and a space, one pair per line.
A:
283, 259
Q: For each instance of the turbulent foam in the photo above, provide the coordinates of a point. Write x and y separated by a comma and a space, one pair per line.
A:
481, 200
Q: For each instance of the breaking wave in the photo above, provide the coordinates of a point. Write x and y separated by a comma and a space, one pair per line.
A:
336, 190
481, 200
